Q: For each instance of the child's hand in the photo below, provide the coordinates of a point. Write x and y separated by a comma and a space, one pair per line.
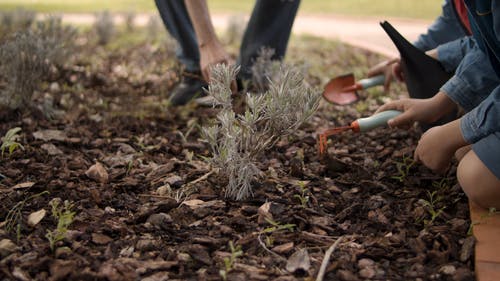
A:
418, 110
438, 145
390, 68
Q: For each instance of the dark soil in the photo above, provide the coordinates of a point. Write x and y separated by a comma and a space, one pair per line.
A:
397, 220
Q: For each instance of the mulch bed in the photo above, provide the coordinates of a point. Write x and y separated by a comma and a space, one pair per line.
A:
396, 220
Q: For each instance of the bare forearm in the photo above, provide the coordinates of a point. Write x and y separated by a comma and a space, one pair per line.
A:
202, 23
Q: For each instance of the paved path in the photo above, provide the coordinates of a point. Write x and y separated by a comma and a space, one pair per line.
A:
362, 32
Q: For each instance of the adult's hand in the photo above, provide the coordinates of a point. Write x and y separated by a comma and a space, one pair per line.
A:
211, 54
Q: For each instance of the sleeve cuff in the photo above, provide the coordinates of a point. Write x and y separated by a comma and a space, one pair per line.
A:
459, 91
470, 128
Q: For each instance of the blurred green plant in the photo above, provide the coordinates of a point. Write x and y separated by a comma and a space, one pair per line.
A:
10, 141
64, 215
229, 262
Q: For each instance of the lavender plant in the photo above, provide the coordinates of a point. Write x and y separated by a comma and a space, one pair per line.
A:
28, 56
23, 65
238, 140
58, 39
16, 20
104, 27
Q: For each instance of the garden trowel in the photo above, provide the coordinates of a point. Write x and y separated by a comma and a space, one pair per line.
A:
423, 74
360, 125
343, 89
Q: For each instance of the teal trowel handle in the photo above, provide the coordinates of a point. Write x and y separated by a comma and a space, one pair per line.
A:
372, 81
374, 121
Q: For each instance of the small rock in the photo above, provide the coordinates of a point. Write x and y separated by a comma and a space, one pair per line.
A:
54, 87
367, 272
7, 247
109, 210
35, 217
164, 190
146, 245
175, 181
448, 269
62, 252
363, 263
98, 173
183, 257
127, 251
298, 262
467, 248
269, 211
101, 239
284, 248
160, 219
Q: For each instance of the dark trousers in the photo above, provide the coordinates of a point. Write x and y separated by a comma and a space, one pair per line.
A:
269, 26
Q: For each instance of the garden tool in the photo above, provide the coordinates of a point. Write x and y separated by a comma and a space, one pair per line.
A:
360, 125
423, 74
341, 90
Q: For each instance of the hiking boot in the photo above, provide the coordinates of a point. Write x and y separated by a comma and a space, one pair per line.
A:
190, 87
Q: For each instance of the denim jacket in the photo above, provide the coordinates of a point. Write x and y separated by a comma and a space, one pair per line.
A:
445, 28
476, 84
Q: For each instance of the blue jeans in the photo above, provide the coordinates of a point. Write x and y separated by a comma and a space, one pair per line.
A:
270, 26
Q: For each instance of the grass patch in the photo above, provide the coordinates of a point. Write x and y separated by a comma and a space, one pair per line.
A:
423, 9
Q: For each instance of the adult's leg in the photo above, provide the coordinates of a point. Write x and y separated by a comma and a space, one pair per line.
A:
269, 26
478, 173
176, 19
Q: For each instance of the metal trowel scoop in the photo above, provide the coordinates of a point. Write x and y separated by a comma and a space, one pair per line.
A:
343, 89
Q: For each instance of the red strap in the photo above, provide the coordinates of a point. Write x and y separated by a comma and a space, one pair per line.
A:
461, 10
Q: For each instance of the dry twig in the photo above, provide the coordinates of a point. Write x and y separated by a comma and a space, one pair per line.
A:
324, 263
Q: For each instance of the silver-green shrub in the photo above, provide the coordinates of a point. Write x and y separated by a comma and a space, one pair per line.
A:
16, 20
238, 140
58, 39
23, 65
27, 57
104, 27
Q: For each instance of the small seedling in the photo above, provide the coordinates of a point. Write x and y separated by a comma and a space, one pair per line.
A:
276, 226
64, 216
10, 141
236, 252
403, 168
302, 197
13, 220
430, 204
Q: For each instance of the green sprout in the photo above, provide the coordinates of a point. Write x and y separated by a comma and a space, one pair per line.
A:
229, 262
10, 141
431, 207
302, 197
403, 168
64, 216
276, 226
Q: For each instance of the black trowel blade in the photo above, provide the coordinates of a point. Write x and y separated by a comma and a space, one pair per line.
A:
423, 75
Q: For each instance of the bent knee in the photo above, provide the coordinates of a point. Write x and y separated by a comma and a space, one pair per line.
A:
478, 182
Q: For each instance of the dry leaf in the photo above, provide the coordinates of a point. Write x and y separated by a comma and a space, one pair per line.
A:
23, 185
48, 135
35, 217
